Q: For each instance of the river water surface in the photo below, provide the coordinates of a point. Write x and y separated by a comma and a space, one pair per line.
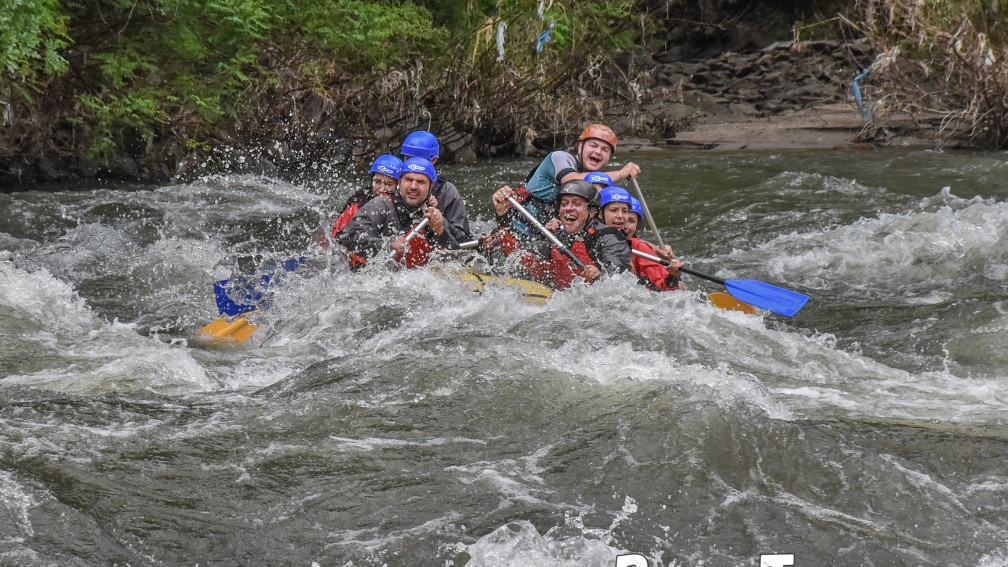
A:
397, 418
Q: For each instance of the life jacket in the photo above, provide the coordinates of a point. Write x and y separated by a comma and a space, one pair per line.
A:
418, 252
654, 274
563, 270
354, 205
344, 218
418, 249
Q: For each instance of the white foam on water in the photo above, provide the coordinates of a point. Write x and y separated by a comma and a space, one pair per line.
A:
610, 333
919, 251
18, 502
72, 350
519, 544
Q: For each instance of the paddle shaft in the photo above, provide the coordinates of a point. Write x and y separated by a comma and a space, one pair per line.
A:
684, 269
416, 229
759, 294
552, 237
647, 213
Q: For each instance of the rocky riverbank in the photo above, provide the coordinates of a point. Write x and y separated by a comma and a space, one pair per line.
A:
785, 96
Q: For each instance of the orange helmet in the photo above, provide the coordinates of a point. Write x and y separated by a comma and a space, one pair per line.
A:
599, 132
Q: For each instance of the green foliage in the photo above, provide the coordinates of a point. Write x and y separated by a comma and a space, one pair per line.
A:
187, 70
359, 34
458, 15
103, 117
33, 32
615, 20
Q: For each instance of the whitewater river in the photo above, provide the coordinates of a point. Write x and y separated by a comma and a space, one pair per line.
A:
397, 418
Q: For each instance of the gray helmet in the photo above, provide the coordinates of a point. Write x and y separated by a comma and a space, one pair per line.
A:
582, 189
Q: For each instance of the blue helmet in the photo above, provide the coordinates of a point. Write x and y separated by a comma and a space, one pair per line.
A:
599, 178
420, 144
635, 207
421, 165
614, 195
387, 164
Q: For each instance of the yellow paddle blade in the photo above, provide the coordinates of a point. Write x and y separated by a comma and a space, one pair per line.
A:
725, 301
237, 329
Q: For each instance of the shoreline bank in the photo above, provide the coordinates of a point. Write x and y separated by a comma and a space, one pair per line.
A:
823, 126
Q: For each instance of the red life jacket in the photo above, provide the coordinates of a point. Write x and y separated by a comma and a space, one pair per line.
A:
562, 270
357, 201
534, 268
418, 252
652, 271
344, 218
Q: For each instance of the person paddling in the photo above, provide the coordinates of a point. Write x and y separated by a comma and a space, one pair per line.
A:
601, 249
384, 222
423, 144
385, 171
621, 210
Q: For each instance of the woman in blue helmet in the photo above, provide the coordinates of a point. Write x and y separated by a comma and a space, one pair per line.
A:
384, 177
447, 198
383, 222
622, 211
663, 278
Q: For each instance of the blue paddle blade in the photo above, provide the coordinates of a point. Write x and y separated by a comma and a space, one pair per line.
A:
249, 297
765, 296
246, 294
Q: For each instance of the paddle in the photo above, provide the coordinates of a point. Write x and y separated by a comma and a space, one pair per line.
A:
416, 229
754, 292
552, 237
252, 297
237, 329
647, 212
230, 327
727, 302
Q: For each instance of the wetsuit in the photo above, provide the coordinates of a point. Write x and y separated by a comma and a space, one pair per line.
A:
453, 207
542, 186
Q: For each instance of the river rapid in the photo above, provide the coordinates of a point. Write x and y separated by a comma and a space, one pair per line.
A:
397, 418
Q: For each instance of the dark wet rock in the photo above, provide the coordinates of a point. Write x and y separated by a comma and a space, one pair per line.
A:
743, 108
783, 76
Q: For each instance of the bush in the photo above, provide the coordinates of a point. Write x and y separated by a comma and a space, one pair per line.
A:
157, 78
946, 58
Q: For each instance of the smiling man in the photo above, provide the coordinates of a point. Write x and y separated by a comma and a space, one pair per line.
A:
385, 221
595, 147
602, 249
